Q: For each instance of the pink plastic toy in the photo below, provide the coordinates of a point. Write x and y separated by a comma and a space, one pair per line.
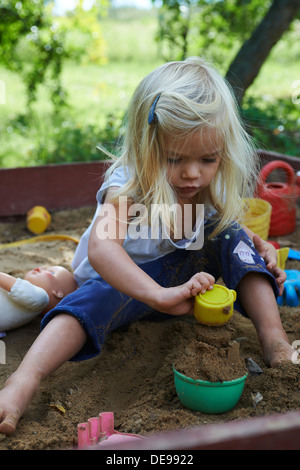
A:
100, 432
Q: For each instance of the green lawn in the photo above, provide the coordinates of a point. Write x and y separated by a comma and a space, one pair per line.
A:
98, 97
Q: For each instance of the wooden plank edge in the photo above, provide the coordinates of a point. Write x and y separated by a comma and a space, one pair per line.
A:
273, 432
67, 186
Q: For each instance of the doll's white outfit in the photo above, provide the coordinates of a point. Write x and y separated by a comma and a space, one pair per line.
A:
21, 305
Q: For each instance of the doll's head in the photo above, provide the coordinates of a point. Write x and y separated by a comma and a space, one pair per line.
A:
57, 281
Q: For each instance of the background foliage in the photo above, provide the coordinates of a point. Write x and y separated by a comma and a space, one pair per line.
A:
187, 26
68, 80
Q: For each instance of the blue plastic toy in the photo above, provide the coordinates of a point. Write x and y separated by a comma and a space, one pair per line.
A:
293, 254
291, 291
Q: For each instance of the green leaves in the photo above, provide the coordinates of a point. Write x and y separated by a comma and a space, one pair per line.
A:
200, 26
35, 43
27, 31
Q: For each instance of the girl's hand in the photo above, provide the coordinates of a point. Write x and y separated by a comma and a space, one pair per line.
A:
268, 252
179, 300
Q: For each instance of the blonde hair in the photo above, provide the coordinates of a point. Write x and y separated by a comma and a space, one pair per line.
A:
193, 98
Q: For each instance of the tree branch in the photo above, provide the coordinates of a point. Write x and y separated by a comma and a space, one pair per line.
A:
246, 65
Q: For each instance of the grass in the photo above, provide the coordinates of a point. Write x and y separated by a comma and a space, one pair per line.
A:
98, 97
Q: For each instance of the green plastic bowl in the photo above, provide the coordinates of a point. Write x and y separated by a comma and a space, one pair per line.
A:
208, 397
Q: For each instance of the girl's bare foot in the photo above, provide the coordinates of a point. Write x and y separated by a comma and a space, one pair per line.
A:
257, 297
60, 340
14, 399
276, 349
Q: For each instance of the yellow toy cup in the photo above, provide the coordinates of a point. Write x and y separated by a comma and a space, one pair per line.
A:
258, 216
214, 307
282, 256
38, 219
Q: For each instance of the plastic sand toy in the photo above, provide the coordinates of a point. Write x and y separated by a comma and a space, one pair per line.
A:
291, 292
282, 256
281, 196
38, 220
39, 238
214, 307
257, 217
100, 432
293, 254
208, 397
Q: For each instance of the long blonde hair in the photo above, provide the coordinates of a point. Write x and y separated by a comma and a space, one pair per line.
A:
193, 98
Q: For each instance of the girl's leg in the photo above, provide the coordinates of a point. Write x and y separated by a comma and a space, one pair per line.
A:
60, 340
257, 297
234, 258
63, 338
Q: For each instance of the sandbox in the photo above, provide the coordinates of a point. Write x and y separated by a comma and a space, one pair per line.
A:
133, 377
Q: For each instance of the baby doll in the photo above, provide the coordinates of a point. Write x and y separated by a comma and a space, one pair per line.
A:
21, 300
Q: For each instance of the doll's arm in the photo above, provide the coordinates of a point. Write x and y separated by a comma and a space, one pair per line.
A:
31, 297
7, 281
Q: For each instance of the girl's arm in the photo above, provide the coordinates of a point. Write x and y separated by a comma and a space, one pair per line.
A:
7, 281
109, 259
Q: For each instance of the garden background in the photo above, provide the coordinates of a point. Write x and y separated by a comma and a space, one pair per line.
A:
66, 80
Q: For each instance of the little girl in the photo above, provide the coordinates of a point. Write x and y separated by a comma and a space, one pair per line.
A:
165, 229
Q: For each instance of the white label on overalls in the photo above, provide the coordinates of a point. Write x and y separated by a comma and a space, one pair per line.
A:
244, 252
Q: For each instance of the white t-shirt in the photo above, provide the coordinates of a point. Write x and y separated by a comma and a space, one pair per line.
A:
141, 246
19, 306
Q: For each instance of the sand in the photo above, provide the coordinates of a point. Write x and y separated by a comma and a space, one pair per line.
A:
212, 355
133, 376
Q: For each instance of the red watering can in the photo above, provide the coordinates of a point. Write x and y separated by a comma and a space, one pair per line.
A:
281, 196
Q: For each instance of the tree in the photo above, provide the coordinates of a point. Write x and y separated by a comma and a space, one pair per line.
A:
247, 63
227, 23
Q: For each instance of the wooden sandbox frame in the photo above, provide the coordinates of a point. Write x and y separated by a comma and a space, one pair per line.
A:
70, 186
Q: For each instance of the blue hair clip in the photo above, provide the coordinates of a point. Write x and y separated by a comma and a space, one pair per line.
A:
152, 116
